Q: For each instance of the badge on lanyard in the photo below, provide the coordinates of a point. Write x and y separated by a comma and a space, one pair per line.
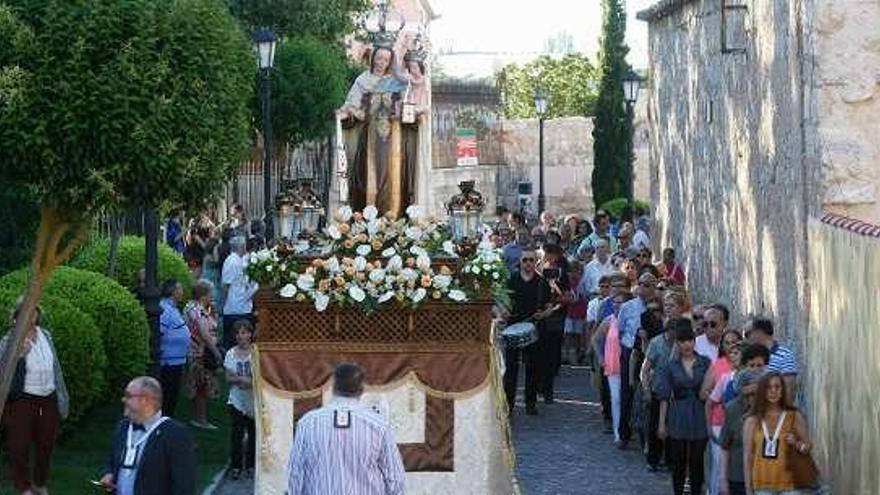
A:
130, 457
771, 444
342, 419
132, 448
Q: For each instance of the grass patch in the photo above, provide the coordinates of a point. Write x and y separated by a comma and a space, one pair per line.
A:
79, 456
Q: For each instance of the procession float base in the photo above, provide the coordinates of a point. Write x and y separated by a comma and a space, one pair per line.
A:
432, 371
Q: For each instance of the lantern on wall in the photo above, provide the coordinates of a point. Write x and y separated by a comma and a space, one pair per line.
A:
307, 210
284, 210
466, 213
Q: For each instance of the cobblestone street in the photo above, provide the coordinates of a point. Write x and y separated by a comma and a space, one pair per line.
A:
563, 451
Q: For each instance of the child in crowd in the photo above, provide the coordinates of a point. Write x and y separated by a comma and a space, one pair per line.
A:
241, 399
575, 318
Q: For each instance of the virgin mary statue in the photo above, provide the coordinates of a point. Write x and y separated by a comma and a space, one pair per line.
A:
381, 166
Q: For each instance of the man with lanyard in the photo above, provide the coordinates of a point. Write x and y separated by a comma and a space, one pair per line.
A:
150, 454
345, 446
630, 321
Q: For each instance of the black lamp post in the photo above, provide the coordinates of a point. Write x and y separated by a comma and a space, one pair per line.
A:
150, 292
631, 83
264, 41
541, 110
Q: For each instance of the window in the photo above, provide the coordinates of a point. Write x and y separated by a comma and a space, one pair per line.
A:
734, 26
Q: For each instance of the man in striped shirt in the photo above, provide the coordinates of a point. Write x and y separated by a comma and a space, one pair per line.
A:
782, 358
345, 448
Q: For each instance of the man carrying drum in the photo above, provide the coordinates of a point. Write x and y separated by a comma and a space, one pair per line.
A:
530, 296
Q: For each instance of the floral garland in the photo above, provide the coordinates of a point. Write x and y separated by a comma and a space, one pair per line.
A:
381, 275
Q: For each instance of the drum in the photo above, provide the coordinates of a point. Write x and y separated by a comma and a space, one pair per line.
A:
520, 334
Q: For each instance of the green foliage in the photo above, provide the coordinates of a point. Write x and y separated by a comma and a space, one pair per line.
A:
309, 82
77, 339
121, 103
616, 206
19, 218
130, 260
612, 130
566, 81
122, 321
325, 20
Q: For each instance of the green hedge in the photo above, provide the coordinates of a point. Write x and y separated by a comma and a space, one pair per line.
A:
77, 340
615, 206
122, 321
130, 260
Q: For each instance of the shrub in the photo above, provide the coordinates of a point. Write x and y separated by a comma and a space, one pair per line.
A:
77, 340
130, 260
122, 322
616, 206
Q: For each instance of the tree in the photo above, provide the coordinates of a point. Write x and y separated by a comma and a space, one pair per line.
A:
310, 82
115, 104
566, 81
612, 135
325, 20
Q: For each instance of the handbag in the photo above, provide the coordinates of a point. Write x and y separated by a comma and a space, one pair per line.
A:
803, 469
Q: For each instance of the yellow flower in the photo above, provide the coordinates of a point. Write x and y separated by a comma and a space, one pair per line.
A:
377, 245
350, 271
436, 294
300, 297
362, 238
324, 285
360, 276
339, 281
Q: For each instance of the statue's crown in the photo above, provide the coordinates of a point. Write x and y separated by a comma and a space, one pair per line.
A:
382, 30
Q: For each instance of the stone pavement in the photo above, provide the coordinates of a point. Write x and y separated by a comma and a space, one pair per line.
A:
563, 450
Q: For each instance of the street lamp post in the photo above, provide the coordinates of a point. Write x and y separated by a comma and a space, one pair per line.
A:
264, 41
541, 110
631, 83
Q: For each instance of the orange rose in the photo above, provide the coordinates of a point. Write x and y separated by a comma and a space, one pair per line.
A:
361, 276
324, 285
377, 245
348, 244
426, 281
369, 267
339, 281
377, 264
350, 271
318, 263
344, 228
410, 262
444, 270
362, 238
347, 261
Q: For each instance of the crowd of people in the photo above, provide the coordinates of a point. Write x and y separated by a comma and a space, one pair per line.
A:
710, 403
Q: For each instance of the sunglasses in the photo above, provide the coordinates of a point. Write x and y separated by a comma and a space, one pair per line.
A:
527, 260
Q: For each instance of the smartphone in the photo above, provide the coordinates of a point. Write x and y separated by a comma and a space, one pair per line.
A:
552, 273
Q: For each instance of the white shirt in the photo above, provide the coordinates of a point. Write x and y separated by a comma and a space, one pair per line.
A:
238, 363
39, 379
705, 348
641, 240
592, 273
593, 308
360, 459
241, 289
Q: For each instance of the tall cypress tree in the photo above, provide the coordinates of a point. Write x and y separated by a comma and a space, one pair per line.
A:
612, 134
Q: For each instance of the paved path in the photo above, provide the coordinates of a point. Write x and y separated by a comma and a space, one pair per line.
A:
563, 450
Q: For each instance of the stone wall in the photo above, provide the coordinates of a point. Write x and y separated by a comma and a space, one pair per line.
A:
729, 179
568, 160
846, 35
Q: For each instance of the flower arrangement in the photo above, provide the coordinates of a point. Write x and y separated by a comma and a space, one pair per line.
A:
369, 235
380, 262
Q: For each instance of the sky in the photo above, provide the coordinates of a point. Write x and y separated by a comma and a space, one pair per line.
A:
523, 26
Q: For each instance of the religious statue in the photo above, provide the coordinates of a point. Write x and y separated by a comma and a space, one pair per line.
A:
380, 118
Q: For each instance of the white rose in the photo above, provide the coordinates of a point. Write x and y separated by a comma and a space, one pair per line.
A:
442, 281
413, 233
489, 256
449, 248
305, 282
418, 251
475, 270
356, 293
360, 263
344, 213
288, 291
269, 268
373, 226
386, 297
486, 244
333, 265
334, 233
370, 213
321, 301
495, 275
377, 276
364, 249
413, 212
409, 274
423, 262
389, 252
301, 247
395, 264
457, 295
418, 294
